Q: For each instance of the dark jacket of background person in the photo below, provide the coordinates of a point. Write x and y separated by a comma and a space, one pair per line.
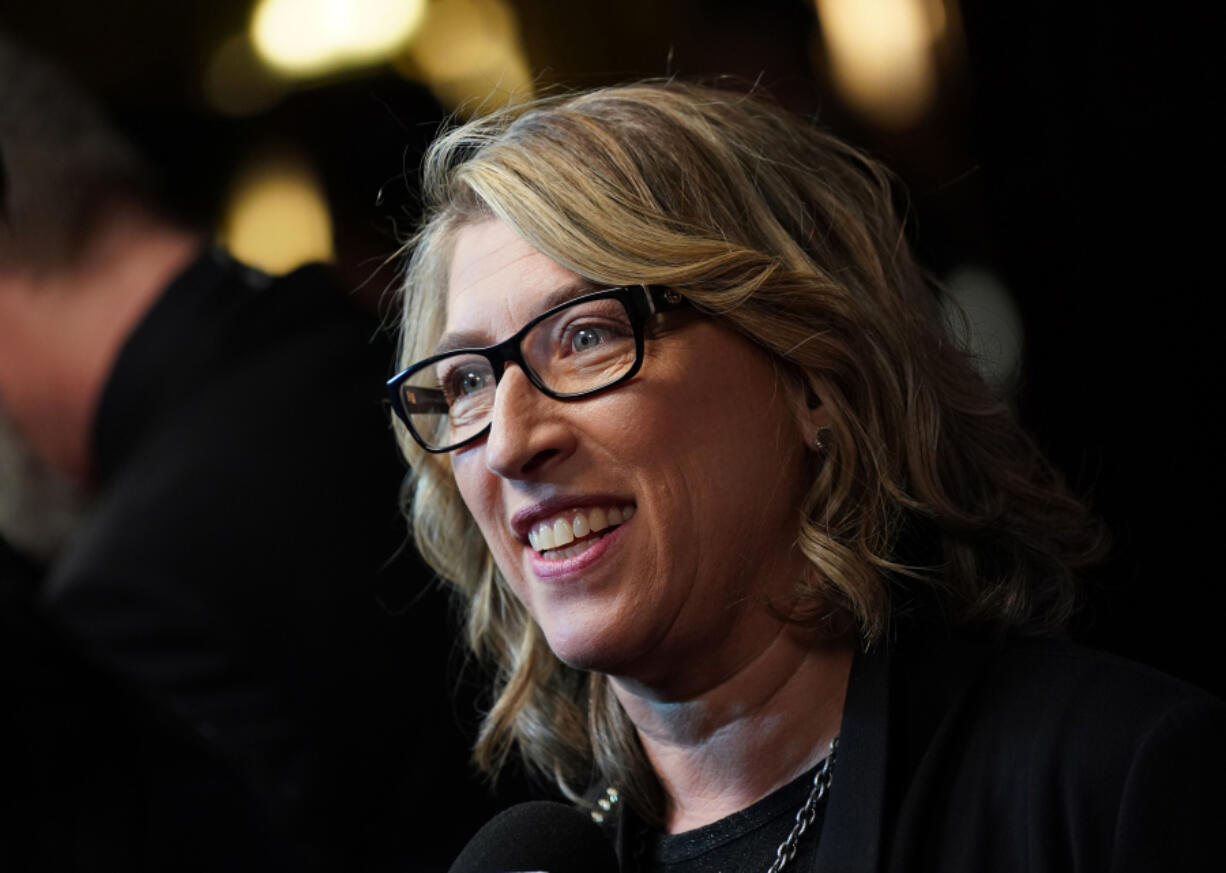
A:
224, 582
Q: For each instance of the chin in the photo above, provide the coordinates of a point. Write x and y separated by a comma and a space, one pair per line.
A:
594, 647
581, 652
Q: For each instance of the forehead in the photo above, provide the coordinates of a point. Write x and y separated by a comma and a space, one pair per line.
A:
496, 281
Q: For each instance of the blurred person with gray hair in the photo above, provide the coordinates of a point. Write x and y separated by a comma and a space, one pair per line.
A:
198, 499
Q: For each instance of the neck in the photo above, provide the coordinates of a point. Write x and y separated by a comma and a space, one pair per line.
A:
61, 331
754, 731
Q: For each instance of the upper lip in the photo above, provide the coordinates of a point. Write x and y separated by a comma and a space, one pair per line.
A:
523, 520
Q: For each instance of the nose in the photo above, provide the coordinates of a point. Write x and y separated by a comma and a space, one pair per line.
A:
528, 431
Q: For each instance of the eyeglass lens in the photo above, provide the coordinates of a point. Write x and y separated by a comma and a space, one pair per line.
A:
581, 348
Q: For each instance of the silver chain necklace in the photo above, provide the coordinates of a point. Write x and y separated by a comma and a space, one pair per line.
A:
804, 816
807, 812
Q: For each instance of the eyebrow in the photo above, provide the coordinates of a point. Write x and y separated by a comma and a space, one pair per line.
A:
474, 339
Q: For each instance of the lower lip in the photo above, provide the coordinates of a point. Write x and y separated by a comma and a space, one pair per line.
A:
547, 569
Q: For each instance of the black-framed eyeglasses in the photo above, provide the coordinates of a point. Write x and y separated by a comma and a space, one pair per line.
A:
584, 346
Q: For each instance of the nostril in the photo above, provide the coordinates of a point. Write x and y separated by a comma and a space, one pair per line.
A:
539, 460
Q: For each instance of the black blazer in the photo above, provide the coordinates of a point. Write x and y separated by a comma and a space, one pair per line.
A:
959, 754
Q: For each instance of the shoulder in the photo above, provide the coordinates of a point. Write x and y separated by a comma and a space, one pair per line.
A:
243, 437
1095, 706
1062, 690
1047, 700
1055, 684
1048, 751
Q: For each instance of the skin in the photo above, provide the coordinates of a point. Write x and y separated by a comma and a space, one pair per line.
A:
60, 331
729, 701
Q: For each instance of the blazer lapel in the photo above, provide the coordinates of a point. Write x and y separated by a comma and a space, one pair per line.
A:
852, 832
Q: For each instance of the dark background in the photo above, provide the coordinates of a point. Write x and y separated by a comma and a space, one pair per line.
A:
1072, 151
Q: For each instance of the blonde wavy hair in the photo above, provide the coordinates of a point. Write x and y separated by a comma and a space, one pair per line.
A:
929, 491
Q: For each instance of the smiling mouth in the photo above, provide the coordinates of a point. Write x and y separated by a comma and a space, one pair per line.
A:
570, 533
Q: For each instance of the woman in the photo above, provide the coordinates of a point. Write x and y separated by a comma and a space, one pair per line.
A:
689, 440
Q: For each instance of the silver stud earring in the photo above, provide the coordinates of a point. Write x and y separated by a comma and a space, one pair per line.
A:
819, 439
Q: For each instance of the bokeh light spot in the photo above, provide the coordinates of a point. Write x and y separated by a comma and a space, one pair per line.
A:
881, 55
277, 217
313, 37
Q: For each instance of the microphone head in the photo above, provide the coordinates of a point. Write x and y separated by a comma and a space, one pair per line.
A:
538, 836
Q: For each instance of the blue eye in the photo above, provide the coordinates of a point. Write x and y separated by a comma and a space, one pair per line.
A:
587, 338
466, 379
470, 382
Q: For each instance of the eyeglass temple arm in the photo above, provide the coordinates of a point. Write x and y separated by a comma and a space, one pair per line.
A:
661, 298
424, 401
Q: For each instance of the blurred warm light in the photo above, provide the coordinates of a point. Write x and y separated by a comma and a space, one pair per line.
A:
238, 83
311, 37
881, 55
277, 217
469, 53
982, 315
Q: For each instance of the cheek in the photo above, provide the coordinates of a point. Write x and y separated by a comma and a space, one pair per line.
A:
481, 493
462, 473
478, 492
738, 448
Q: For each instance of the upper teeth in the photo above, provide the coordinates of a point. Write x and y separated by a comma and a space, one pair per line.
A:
563, 529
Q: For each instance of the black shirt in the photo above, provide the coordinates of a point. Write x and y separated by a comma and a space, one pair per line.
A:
744, 841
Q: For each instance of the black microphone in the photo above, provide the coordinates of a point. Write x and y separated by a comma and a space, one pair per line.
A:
538, 836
